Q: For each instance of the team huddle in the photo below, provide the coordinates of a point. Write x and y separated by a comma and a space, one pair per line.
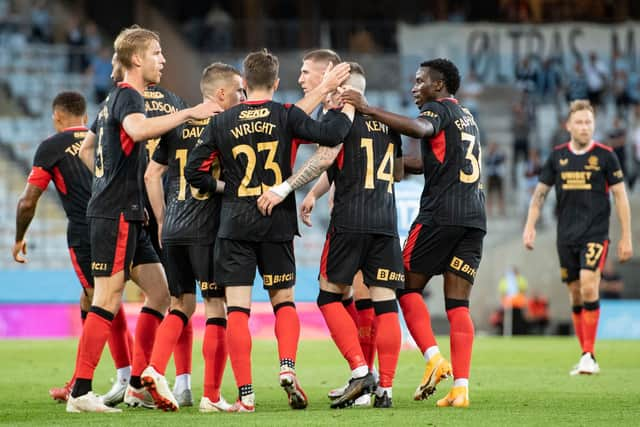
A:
177, 198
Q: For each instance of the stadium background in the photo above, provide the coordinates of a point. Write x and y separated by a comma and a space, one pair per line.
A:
518, 62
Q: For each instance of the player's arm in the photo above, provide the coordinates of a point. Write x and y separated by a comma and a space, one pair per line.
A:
329, 132
535, 207
141, 128
310, 170
155, 191
198, 168
87, 150
24, 214
319, 189
625, 246
333, 77
398, 163
413, 165
415, 127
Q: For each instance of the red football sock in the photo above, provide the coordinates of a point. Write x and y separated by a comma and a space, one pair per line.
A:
83, 318
287, 330
590, 318
167, 336
118, 340
366, 330
344, 333
130, 344
350, 306
388, 339
95, 334
418, 320
239, 345
214, 351
461, 333
576, 316
148, 322
182, 354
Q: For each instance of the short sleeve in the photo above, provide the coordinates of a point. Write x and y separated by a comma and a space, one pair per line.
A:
161, 153
548, 173
128, 102
613, 172
397, 142
437, 114
43, 163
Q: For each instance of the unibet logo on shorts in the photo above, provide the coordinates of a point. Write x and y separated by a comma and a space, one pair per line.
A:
386, 275
274, 279
459, 265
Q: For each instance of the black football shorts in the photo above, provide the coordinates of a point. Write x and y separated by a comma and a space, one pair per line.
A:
81, 260
576, 257
378, 256
236, 262
432, 249
188, 267
118, 245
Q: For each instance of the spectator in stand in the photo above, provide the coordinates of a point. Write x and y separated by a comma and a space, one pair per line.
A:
617, 139
100, 70
560, 135
494, 168
93, 40
217, 36
527, 76
76, 43
596, 74
523, 120
41, 23
531, 172
577, 87
538, 313
551, 82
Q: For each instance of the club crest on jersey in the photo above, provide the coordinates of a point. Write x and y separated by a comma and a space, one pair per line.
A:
253, 114
592, 163
564, 162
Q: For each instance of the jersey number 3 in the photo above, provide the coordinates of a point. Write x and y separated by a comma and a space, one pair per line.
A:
470, 178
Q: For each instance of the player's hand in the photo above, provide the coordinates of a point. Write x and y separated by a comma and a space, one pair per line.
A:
267, 202
355, 98
204, 110
145, 218
625, 250
529, 238
334, 76
20, 246
305, 209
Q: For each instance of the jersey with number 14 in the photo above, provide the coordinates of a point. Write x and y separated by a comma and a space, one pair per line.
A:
452, 192
364, 198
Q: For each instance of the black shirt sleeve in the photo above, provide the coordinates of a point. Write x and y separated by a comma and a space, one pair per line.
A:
198, 168
613, 172
44, 157
331, 131
397, 142
129, 102
548, 172
94, 126
436, 114
161, 154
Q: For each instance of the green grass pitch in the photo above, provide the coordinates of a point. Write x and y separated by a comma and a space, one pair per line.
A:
518, 381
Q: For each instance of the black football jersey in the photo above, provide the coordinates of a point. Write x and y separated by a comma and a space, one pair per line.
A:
582, 184
452, 192
364, 198
254, 140
117, 184
57, 159
191, 217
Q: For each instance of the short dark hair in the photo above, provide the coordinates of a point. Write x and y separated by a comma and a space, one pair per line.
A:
261, 69
356, 68
449, 73
215, 72
326, 55
70, 102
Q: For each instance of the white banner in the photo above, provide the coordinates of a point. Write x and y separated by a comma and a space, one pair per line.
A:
493, 50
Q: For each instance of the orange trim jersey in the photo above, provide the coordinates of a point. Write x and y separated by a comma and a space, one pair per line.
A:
581, 183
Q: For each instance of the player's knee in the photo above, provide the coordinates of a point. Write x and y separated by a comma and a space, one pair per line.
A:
214, 308
325, 297
402, 292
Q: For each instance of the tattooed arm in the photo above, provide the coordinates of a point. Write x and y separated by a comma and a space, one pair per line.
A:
535, 207
310, 170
